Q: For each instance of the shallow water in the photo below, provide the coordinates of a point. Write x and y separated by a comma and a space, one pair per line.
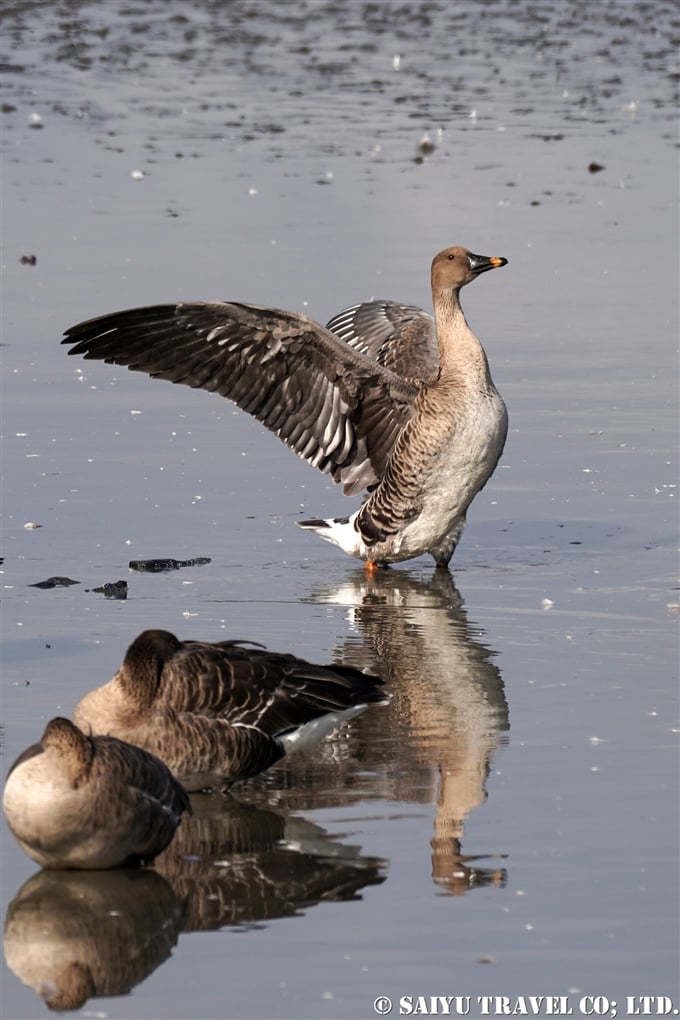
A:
508, 825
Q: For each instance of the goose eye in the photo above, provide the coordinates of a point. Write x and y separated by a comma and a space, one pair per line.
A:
451, 257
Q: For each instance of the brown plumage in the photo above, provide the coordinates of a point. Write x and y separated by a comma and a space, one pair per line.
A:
75, 801
384, 399
220, 713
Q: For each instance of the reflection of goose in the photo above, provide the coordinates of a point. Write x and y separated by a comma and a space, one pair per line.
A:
238, 864
74, 801
74, 935
449, 709
219, 713
423, 432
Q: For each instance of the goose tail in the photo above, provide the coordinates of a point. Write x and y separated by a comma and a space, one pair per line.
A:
338, 530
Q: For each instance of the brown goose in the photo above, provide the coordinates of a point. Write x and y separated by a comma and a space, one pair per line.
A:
74, 801
397, 404
219, 713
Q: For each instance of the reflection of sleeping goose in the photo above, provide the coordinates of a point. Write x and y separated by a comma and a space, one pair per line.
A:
74, 801
75, 935
219, 713
237, 864
421, 430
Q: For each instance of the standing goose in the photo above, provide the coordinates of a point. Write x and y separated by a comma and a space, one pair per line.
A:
220, 713
74, 801
395, 404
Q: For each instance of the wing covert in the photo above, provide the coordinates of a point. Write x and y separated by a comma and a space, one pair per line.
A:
401, 338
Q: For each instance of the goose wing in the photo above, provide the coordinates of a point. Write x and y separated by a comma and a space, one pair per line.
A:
337, 409
140, 770
401, 338
270, 691
141, 803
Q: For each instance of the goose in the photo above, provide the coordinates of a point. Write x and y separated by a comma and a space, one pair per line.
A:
384, 399
220, 713
76, 801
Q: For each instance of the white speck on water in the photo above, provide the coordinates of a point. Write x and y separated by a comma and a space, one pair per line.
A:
187, 615
597, 740
547, 603
31, 525
137, 175
136, 412
35, 120
253, 191
396, 62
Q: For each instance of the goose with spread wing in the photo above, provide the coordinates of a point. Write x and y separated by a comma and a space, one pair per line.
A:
384, 399
77, 801
218, 713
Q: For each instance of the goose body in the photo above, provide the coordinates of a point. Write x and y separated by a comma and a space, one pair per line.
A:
220, 713
75, 801
384, 399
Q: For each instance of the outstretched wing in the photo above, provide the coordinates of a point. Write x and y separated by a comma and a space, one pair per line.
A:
401, 338
337, 409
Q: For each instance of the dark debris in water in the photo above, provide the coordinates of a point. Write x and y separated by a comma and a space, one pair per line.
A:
29, 260
158, 565
54, 582
112, 590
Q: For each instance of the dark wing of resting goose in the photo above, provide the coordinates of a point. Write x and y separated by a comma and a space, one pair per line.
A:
334, 406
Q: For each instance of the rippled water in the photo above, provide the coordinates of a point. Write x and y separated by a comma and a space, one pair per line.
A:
508, 825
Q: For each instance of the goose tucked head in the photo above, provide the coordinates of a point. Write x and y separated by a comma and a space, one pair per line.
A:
75, 750
454, 267
145, 659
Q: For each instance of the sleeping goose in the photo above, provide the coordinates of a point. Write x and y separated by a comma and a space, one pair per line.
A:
398, 404
75, 801
220, 713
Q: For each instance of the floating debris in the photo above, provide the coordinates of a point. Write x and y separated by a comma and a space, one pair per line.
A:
594, 168
425, 147
112, 590
35, 120
54, 582
158, 565
137, 175
31, 526
29, 260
